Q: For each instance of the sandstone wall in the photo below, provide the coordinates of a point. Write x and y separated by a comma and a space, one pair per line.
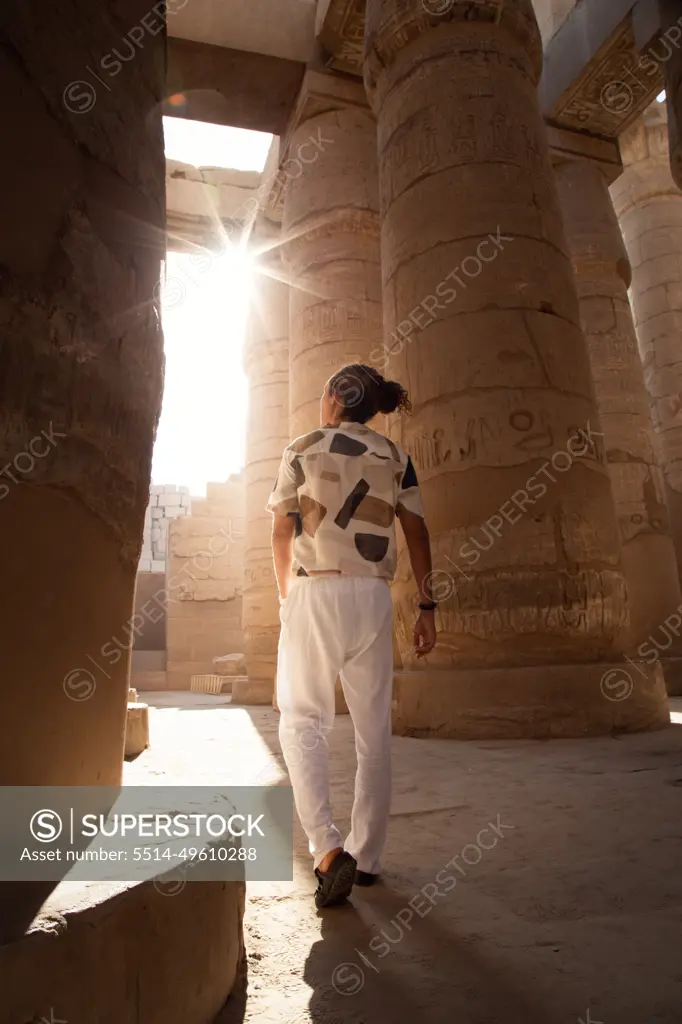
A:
204, 580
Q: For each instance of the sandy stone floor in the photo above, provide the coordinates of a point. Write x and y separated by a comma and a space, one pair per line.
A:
572, 913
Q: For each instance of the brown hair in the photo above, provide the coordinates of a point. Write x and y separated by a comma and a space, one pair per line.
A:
363, 393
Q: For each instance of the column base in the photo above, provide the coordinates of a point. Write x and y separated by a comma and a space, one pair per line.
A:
672, 673
538, 702
252, 691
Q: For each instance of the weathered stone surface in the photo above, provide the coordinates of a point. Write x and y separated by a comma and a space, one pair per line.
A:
71, 953
649, 208
603, 275
225, 86
137, 729
499, 377
542, 702
82, 214
331, 240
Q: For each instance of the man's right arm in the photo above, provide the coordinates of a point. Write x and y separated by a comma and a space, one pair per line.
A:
283, 504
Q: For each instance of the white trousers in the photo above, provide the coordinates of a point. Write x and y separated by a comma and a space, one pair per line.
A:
331, 626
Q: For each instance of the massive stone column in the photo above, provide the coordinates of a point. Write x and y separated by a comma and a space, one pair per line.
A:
330, 229
603, 274
504, 434
266, 361
82, 208
649, 208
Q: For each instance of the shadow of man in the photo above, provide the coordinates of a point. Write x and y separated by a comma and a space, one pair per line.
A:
431, 974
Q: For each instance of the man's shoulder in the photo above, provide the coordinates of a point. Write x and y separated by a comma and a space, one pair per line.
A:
386, 446
306, 441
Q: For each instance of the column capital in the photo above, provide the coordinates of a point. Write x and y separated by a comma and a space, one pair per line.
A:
331, 135
392, 24
648, 137
567, 147
322, 92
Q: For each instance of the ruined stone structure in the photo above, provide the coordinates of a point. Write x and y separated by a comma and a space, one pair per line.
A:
166, 502
204, 581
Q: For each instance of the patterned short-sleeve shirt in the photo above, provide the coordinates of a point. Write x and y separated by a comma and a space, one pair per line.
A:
344, 484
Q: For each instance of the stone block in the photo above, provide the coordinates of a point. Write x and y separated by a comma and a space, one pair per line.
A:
137, 729
252, 691
230, 665
158, 565
144, 565
185, 500
169, 500
173, 511
170, 488
156, 489
183, 490
157, 513
195, 932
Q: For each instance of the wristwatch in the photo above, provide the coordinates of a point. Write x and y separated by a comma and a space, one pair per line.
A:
428, 606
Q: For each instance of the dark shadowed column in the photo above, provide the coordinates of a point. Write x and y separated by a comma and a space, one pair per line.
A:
83, 212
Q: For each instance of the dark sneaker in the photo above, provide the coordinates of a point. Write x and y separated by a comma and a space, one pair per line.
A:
334, 886
364, 878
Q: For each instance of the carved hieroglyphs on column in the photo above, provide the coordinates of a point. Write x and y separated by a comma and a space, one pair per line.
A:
500, 382
266, 362
649, 208
330, 232
602, 272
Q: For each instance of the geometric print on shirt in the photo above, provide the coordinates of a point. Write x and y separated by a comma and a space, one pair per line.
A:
344, 484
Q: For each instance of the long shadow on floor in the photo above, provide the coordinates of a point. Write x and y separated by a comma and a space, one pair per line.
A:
430, 975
